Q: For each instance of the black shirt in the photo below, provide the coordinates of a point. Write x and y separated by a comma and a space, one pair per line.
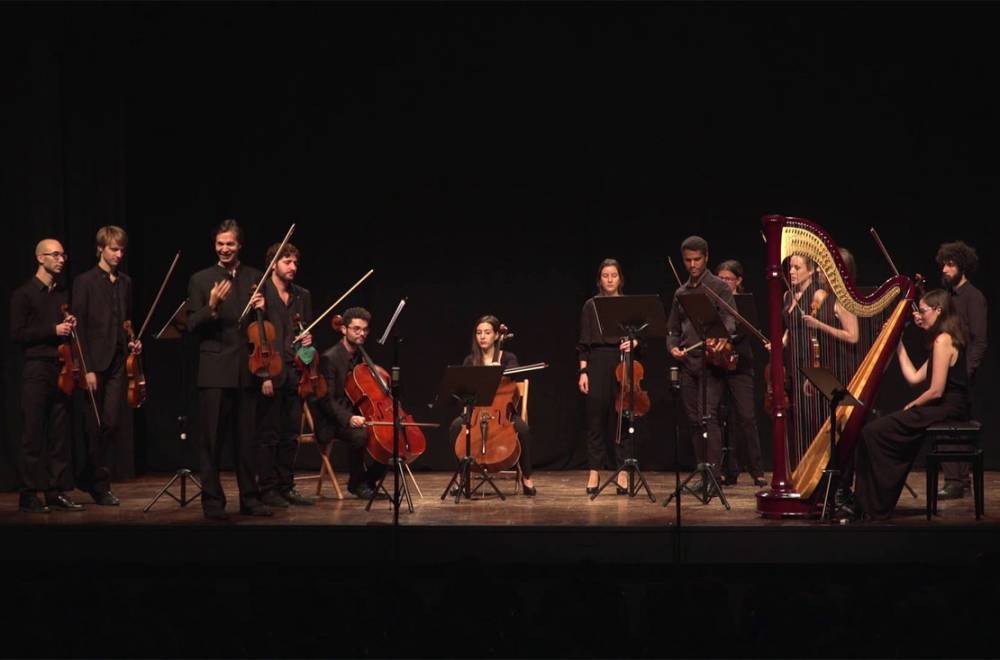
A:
282, 316
970, 303
336, 363
590, 333
681, 331
35, 311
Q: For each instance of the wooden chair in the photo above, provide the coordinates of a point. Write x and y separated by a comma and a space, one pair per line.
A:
516, 474
326, 468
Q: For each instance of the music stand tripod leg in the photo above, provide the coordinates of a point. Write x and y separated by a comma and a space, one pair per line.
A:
183, 474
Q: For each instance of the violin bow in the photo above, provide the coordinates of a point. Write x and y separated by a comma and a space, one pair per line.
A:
337, 302
267, 272
885, 253
159, 294
83, 365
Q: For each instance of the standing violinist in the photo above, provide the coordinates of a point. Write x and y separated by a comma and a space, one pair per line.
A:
39, 326
102, 302
597, 382
697, 375
279, 409
227, 391
742, 421
485, 351
341, 420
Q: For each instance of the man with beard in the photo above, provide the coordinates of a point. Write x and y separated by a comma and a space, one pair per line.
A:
102, 302
958, 261
39, 326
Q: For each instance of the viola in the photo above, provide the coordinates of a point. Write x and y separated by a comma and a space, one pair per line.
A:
496, 447
629, 390
720, 353
70, 373
367, 388
265, 360
312, 384
133, 370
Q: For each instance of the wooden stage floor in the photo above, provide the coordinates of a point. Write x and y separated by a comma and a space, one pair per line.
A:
562, 524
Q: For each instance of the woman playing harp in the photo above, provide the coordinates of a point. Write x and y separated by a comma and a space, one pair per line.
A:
803, 453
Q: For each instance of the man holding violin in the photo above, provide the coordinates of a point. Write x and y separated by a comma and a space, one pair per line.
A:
102, 302
340, 418
39, 325
279, 409
227, 391
683, 342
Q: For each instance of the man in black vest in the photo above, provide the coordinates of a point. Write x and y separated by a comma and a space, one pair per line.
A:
38, 325
102, 302
958, 261
279, 410
227, 391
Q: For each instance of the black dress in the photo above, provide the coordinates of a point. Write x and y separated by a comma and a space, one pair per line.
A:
890, 444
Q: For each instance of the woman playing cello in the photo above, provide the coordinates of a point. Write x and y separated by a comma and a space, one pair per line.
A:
485, 351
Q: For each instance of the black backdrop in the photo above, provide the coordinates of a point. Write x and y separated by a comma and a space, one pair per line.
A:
484, 158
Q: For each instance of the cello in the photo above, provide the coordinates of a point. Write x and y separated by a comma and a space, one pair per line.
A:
367, 388
498, 447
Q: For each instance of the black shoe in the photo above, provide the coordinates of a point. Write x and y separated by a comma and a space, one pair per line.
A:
257, 510
274, 498
107, 498
951, 491
62, 502
362, 491
621, 490
295, 497
592, 490
729, 480
29, 503
528, 491
760, 482
216, 514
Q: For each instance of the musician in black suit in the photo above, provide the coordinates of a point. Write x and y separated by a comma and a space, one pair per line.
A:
102, 302
340, 419
227, 391
279, 409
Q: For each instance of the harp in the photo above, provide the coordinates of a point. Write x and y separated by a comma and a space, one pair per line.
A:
801, 427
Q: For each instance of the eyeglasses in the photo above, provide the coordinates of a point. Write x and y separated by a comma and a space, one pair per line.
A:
56, 255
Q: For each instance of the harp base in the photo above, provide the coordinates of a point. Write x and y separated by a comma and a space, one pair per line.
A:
785, 503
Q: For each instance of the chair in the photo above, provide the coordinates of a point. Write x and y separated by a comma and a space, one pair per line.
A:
965, 433
326, 468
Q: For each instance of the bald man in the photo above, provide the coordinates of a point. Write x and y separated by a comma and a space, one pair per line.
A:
38, 325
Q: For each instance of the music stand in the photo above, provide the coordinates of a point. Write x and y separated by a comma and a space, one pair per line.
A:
747, 308
824, 381
174, 328
707, 323
629, 316
469, 386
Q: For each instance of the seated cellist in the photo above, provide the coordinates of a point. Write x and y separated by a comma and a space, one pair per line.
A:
486, 351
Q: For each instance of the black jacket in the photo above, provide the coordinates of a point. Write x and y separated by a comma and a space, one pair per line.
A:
223, 355
100, 335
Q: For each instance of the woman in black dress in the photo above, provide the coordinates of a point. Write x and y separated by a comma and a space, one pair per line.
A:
485, 351
890, 444
598, 360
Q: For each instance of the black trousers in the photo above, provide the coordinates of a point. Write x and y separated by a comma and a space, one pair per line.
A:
601, 416
278, 421
706, 450
227, 413
357, 442
110, 397
741, 426
523, 438
44, 444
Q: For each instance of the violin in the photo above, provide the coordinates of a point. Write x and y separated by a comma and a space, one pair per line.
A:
720, 353
814, 360
133, 370
312, 384
367, 388
498, 447
70, 373
627, 388
265, 361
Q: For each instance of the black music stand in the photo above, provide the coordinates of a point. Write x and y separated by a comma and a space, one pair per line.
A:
824, 381
469, 386
709, 325
174, 328
747, 308
629, 316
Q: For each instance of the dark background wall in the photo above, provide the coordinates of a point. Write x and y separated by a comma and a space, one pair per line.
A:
484, 158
